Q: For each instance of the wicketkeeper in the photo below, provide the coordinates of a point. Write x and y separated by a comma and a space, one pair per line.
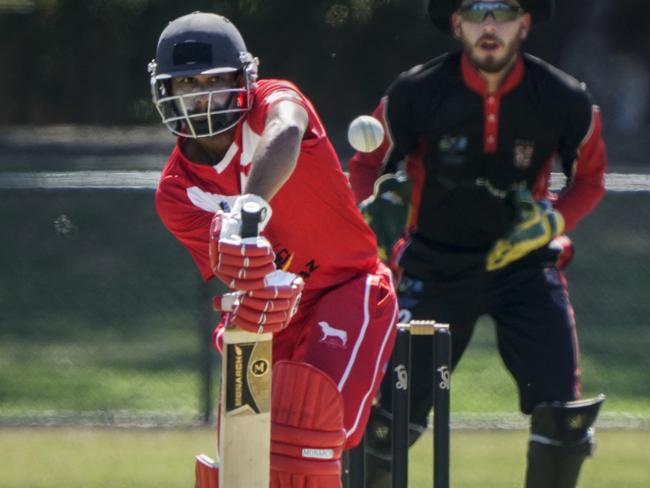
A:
478, 132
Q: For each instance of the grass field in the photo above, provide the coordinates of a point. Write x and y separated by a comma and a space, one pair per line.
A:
105, 458
109, 373
101, 310
103, 317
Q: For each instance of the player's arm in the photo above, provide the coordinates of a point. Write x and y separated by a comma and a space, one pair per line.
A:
245, 264
585, 162
277, 152
583, 153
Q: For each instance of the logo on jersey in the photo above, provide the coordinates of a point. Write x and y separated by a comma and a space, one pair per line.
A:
210, 202
523, 153
332, 335
284, 260
452, 149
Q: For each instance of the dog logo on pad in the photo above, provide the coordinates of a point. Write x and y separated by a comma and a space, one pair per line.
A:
333, 336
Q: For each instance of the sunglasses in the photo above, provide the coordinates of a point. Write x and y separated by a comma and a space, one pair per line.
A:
477, 12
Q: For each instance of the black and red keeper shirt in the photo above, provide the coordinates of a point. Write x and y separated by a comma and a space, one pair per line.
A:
466, 149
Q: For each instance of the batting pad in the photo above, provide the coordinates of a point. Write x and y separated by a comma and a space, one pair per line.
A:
307, 434
206, 472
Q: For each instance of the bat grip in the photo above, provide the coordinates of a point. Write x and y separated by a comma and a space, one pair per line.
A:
251, 215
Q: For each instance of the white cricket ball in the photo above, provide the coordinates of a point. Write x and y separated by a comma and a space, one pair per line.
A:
365, 133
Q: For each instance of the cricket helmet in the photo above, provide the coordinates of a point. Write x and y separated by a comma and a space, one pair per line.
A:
440, 11
202, 44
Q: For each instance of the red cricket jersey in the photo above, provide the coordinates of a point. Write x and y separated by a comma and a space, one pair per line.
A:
315, 229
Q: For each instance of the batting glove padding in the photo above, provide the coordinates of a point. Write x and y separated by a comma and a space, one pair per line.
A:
267, 309
386, 211
535, 225
240, 263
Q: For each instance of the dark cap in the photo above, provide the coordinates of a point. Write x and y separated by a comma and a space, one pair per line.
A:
199, 43
440, 11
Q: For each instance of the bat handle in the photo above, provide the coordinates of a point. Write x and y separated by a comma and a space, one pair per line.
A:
251, 216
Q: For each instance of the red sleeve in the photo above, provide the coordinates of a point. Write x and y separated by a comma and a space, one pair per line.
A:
188, 223
271, 92
587, 181
364, 168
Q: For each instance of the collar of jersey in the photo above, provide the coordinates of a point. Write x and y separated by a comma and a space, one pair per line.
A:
218, 167
477, 83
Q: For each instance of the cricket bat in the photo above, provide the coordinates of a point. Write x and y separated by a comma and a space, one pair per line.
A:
245, 415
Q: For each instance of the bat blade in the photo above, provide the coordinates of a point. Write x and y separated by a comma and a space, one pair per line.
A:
245, 424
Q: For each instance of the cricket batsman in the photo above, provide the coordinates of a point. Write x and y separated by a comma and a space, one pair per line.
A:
242, 139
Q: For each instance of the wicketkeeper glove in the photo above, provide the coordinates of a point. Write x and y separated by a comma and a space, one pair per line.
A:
387, 210
268, 309
535, 225
240, 263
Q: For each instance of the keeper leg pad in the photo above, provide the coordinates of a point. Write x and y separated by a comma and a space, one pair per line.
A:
206, 472
307, 433
560, 440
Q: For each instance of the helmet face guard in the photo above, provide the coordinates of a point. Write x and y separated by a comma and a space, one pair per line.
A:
202, 44
224, 108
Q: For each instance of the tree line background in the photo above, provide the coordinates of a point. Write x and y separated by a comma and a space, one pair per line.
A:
84, 62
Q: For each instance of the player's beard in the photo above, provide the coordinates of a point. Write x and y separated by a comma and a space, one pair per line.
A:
491, 63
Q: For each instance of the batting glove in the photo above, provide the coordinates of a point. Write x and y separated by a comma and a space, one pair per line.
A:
241, 263
268, 309
386, 211
535, 225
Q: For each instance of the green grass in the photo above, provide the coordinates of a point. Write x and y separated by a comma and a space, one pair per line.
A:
155, 368
107, 372
101, 310
102, 373
482, 384
495, 459
105, 458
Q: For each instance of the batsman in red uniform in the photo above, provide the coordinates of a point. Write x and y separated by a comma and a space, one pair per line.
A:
241, 139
